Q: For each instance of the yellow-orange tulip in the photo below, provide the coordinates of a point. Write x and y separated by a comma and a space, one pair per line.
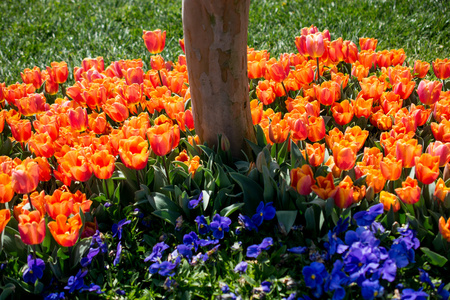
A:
421, 68
427, 168
25, 177
6, 190
316, 129
58, 72
31, 227
316, 153
344, 154
441, 190
390, 167
163, 138
407, 151
134, 152
77, 164
345, 194
324, 187
5, 216
389, 200
103, 164
368, 43
410, 192
342, 112
66, 231
444, 228
154, 40
441, 68
302, 179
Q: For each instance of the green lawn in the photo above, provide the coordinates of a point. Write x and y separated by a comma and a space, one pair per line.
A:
35, 33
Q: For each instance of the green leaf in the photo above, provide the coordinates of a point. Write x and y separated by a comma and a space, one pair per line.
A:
78, 251
310, 220
286, 218
253, 193
162, 202
222, 180
8, 289
168, 216
206, 198
129, 174
434, 258
269, 191
61, 254
231, 209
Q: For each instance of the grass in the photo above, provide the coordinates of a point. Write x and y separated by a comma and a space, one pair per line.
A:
35, 33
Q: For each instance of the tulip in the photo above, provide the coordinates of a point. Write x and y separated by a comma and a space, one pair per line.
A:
25, 177
256, 69
277, 70
441, 150
66, 231
444, 228
441, 131
390, 167
57, 204
368, 43
344, 154
389, 200
407, 151
278, 131
77, 164
316, 129
134, 152
332, 166
265, 92
429, 91
154, 40
116, 109
410, 192
334, 136
41, 144
31, 227
372, 87
328, 92
163, 138
350, 52
78, 119
335, 53
302, 179
342, 112
181, 42
58, 72
21, 130
134, 75
256, 110
372, 157
5, 216
441, 190
427, 168
345, 194
421, 68
441, 68
359, 71
37, 202
79, 201
324, 187
6, 190
103, 164
375, 180
316, 153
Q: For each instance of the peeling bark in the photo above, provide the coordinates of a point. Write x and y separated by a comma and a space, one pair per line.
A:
215, 37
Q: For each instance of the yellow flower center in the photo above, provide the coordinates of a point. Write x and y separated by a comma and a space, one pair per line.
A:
220, 228
261, 214
313, 276
375, 293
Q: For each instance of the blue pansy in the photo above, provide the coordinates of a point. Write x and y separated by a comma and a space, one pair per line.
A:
263, 212
118, 227
202, 224
371, 289
255, 250
55, 296
195, 202
410, 294
76, 282
314, 276
266, 286
247, 222
35, 269
185, 250
298, 250
366, 218
241, 267
118, 254
157, 252
219, 225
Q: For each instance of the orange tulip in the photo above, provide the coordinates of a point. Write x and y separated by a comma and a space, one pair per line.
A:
32, 104
78, 119
32, 76
41, 144
344, 154
316, 129
58, 72
154, 40
257, 111
429, 91
334, 136
389, 200
302, 179
324, 187
37, 199
441, 131
368, 43
31, 227
441, 68
444, 228
45, 171
359, 70
134, 75
375, 179
372, 157
441, 150
332, 167
163, 138
134, 152
367, 58
77, 164
345, 194
316, 153
116, 109
390, 167
5, 216
298, 126
157, 62
25, 177
328, 92
441, 190
21, 130
59, 204
277, 131
421, 68
410, 192
173, 105
265, 92
310, 45
66, 231
342, 112
103, 164
6, 190
256, 68
427, 168
350, 52
335, 53
277, 70
407, 151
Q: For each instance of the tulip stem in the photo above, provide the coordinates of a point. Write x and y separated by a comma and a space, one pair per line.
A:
34, 252
316, 75
29, 200
106, 188
166, 168
160, 79
137, 178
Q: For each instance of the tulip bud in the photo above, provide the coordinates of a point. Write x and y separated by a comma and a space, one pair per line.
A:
446, 174
369, 193
260, 161
224, 143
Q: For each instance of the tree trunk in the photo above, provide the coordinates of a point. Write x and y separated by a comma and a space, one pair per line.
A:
215, 37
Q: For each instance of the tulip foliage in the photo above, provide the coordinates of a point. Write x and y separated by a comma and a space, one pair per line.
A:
339, 129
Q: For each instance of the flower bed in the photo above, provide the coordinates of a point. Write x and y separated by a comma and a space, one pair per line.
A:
106, 188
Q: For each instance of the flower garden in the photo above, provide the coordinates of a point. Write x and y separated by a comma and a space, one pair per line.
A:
107, 192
